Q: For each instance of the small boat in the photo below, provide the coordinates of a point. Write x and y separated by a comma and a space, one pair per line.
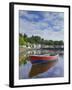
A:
43, 58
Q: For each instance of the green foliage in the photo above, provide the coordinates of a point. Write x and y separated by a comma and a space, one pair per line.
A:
23, 61
24, 40
50, 42
56, 42
21, 41
25, 36
61, 42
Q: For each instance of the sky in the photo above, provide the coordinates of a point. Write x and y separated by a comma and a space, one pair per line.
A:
46, 24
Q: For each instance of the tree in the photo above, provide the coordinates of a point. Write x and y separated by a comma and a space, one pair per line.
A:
24, 40
50, 42
25, 36
56, 42
61, 42
21, 41
20, 35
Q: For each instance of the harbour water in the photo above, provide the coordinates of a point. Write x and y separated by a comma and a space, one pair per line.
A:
41, 70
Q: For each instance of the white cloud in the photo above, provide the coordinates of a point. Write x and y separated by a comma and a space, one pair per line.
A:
35, 28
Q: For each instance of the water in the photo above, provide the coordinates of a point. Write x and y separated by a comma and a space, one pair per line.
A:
42, 70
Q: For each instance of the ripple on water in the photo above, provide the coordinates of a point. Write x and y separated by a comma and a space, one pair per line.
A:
56, 71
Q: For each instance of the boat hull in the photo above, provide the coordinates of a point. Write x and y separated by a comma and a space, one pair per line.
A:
42, 59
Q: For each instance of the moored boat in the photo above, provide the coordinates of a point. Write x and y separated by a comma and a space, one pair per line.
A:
43, 58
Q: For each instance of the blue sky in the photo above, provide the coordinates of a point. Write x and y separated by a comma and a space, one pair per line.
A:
46, 24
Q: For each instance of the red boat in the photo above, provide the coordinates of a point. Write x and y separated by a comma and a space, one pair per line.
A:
43, 58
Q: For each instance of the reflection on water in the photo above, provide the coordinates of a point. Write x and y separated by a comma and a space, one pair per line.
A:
42, 70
